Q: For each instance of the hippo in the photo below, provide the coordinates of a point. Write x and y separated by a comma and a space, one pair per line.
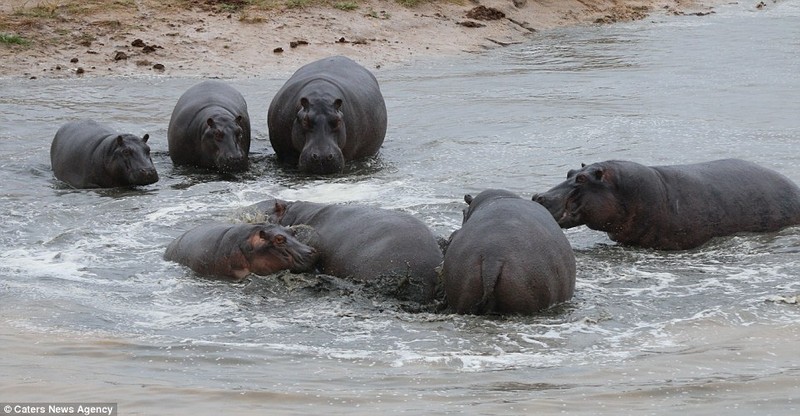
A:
509, 257
233, 251
329, 112
675, 207
87, 154
210, 128
390, 249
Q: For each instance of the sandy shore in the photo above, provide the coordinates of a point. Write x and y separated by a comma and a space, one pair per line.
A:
212, 38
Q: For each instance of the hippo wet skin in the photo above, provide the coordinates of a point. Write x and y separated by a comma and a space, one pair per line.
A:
86, 154
234, 251
366, 244
210, 128
674, 207
329, 112
509, 257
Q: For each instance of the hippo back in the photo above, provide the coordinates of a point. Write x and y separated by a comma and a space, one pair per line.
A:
370, 244
510, 256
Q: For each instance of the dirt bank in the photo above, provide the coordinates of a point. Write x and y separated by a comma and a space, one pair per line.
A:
241, 38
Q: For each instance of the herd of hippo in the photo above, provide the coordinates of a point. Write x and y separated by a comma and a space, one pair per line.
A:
510, 255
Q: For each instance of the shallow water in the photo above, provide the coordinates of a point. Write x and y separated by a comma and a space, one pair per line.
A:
90, 311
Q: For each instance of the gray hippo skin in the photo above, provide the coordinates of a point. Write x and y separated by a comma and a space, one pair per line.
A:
674, 207
329, 112
367, 244
210, 128
234, 251
509, 257
86, 154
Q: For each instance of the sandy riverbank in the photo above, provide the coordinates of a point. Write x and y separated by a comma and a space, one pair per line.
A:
240, 39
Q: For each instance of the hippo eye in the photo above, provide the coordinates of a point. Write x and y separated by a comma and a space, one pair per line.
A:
581, 178
335, 124
279, 240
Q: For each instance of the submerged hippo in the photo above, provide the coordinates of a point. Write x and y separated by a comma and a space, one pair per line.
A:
674, 207
235, 251
366, 244
86, 154
210, 128
509, 257
329, 112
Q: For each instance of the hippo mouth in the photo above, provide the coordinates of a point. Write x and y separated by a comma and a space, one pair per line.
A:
232, 164
570, 213
143, 177
566, 210
321, 164
303, 260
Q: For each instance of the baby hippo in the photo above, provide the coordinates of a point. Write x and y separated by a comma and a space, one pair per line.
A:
234, 251
509, 257
87, 154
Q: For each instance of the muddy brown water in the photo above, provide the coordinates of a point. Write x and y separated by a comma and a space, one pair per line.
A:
90, 312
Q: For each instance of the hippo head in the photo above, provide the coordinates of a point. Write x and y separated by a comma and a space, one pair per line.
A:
590, 196
273, 210
483, 199
271, 248
130, 162
319, 130
225, 143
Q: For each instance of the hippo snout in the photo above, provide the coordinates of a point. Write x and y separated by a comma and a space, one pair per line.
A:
232, 163
144, 176
321, 163
305, 258
543, 200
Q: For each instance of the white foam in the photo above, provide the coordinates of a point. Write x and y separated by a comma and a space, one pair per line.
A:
57, 264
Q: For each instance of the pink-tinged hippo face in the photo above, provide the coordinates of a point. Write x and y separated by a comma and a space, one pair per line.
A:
271, 248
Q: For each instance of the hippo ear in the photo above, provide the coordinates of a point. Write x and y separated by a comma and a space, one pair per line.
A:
210, 122
120, 141
468, 199
337, 104
304, 103
280, 209
263, 237
256, 241
583, 165
145, 137
239, 119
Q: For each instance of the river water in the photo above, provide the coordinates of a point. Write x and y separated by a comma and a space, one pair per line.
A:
90, 312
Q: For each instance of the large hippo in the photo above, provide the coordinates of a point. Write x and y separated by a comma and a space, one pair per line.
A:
234, 251
329, 112
509, 257
387, 248
87, 154
673, 207
210, 128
